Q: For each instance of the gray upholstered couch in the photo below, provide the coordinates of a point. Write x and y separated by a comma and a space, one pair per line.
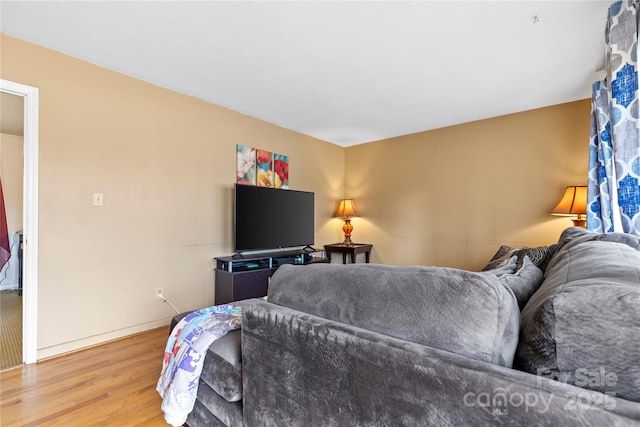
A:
370, 345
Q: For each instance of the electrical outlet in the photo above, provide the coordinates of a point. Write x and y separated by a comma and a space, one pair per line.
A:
159, 294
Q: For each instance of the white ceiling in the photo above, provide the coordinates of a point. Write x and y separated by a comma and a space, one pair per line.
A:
346, 72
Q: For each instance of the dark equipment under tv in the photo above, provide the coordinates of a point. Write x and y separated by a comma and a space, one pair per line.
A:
270, 218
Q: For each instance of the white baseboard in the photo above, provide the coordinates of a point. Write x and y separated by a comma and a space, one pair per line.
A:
57, 350
9, 287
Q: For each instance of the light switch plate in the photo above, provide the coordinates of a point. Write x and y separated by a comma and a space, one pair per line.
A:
98, 199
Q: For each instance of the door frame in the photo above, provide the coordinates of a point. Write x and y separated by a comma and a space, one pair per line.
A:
31, 98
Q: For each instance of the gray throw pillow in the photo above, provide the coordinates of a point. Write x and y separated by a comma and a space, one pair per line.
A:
539, 256
509, 267
523, 282
500, 258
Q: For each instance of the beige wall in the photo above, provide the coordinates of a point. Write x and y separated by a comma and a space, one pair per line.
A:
165, 163
452, 196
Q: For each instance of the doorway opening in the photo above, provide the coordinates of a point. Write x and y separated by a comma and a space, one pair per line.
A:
29, 244
11, 235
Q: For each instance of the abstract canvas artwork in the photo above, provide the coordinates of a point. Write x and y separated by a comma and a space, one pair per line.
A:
281, 171
261, 167
246, 165
264, 163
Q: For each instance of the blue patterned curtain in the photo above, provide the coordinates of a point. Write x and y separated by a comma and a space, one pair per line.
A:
614, 155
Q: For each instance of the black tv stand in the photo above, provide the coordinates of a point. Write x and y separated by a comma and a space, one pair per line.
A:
242, 276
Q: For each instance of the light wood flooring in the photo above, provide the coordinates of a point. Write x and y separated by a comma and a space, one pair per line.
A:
112, 384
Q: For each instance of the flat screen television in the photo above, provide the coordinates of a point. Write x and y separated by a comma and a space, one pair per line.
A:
272, 218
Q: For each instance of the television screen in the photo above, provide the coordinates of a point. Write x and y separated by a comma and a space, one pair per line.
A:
271, 218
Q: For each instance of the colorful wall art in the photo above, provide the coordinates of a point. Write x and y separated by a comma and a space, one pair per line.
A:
265, 168
246, 165
281, 171
261, 167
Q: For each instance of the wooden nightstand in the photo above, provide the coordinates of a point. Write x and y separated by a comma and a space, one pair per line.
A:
352, 250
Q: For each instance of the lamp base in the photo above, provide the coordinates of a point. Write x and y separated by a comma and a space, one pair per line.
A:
347, 228
579, 223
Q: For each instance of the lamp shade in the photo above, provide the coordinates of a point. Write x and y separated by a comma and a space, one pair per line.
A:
347, 209
573, 202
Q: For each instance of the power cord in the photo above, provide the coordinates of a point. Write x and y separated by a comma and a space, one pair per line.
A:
168, 302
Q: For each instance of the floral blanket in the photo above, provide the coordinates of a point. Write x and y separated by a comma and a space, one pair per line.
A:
184, 356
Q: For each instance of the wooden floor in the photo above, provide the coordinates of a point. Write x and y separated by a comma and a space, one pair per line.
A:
109, 385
